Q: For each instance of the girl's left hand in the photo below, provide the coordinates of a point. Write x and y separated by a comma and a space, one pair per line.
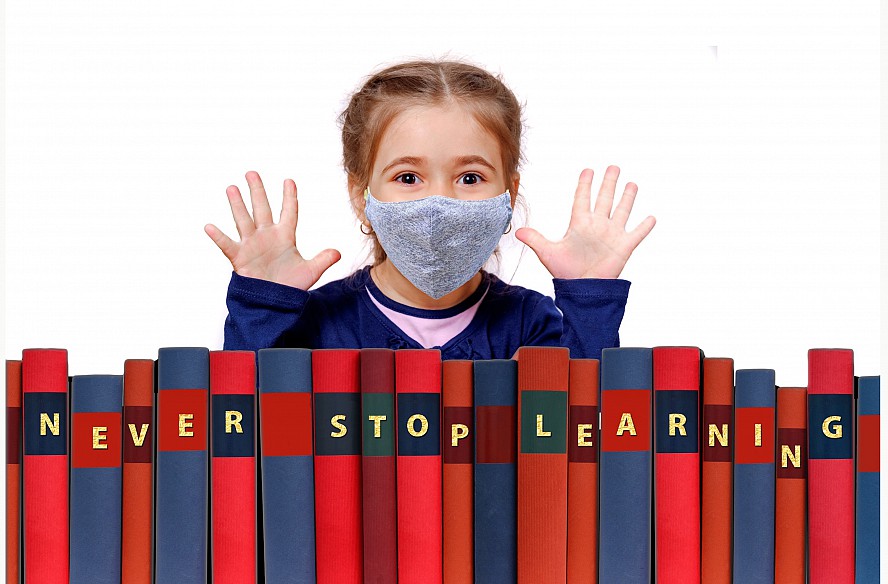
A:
596, 244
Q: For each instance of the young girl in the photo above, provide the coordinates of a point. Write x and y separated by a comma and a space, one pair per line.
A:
432, 152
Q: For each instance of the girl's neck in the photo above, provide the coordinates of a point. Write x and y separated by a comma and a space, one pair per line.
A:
395, 286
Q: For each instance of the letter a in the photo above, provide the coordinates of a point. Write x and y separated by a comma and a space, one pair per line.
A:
626, 424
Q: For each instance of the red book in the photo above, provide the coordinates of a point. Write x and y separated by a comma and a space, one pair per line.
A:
717, 440
13, 469
138, 469
582, 472
677, 464
790, 508
830, 466
336, 383
543, 374
418, 411
45, 403
233, 466
457, 445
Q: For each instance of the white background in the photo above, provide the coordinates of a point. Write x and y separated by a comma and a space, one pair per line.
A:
752, 132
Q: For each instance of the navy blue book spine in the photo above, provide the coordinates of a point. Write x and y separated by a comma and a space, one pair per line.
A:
868, 436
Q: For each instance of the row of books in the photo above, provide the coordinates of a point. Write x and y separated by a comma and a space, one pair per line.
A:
373, 465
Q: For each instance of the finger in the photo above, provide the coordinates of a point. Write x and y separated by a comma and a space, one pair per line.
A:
638, 234
605, 200
322, 262
624, 207
242, 219
228, 247
290, 205
534, 240
261, 210
583, 194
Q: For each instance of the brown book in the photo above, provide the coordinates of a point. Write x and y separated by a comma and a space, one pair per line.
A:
457, 452
13, 469
138, 466
582, 472
792, 462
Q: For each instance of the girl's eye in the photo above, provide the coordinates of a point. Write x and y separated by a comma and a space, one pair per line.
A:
472, 178
409, 178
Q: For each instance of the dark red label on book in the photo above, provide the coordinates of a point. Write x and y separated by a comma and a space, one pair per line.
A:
582, 434
868, 443
496, 438
13, 435
718, 433
755, 436
181, 419
792, 453
458, 436
625, 420
286, 425
95, 440
138, 434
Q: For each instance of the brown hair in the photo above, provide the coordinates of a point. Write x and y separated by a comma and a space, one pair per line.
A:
388, 92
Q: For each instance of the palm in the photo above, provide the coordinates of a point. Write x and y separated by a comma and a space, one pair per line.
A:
596, 244
267, 250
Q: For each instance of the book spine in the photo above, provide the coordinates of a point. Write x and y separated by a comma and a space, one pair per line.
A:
378, 466
791, 491
138, 471
868, 440
625, 492
754, 476
582, 472
830, 465
96, 478
181, 540
336, 377
233, 466
457, 454
496, 472
543, 377
418, 411
45, 464
718, 473
287, 466
13, 470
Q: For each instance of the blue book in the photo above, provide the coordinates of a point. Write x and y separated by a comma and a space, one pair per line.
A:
287, 466
626, 466
96, 478
182, 465
496, 471
755, 402
868, 435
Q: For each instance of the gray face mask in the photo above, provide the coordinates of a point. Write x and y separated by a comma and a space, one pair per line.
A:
437, 242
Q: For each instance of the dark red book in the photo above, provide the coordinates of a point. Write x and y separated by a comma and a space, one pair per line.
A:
336, 382
543, 374
792, 463
458, 450
717, 440
45, 397
13, 469
418, 411
138, 470
582, 472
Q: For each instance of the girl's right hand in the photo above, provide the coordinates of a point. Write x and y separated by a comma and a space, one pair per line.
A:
267, 250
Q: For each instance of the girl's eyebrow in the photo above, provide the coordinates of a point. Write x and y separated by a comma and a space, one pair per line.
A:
458, 161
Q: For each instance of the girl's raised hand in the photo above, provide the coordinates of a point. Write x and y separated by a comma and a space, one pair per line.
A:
596, 244
267, 250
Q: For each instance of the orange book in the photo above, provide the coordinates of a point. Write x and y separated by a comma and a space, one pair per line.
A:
792, 488
717, 481
457, 451
582, 472
13, 469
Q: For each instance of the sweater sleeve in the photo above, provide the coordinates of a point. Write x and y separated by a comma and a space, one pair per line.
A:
264, 314
592, 310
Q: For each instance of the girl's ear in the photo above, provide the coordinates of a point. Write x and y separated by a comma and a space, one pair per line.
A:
513, 188
356, 198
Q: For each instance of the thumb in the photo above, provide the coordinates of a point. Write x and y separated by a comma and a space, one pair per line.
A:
532, 239
322, 262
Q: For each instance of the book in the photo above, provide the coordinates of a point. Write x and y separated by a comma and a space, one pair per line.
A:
496, 473
582, 471
287, 465
717, 479
868, 440
137, 530
624, 497
13, 470
378, 466
45, 465
677, 464
830, 465
754, 475
457, 444
181, 503
233, 466
419, 492
790, 510
96, 478
336, 380
543, 377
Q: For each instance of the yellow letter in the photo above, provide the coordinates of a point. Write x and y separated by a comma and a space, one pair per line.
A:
139, 439
53, 426
233, 418
585, 431
183, 425
457, 433
99, 438
341, 429
677, 421
540, 431
423, 425
836, 430
787, 454
715, 434
758, 434
626, 423
377, 432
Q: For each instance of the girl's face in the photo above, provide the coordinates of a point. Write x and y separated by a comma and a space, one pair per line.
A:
438, 150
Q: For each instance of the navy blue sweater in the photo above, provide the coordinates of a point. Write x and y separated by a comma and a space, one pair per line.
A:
585, 316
